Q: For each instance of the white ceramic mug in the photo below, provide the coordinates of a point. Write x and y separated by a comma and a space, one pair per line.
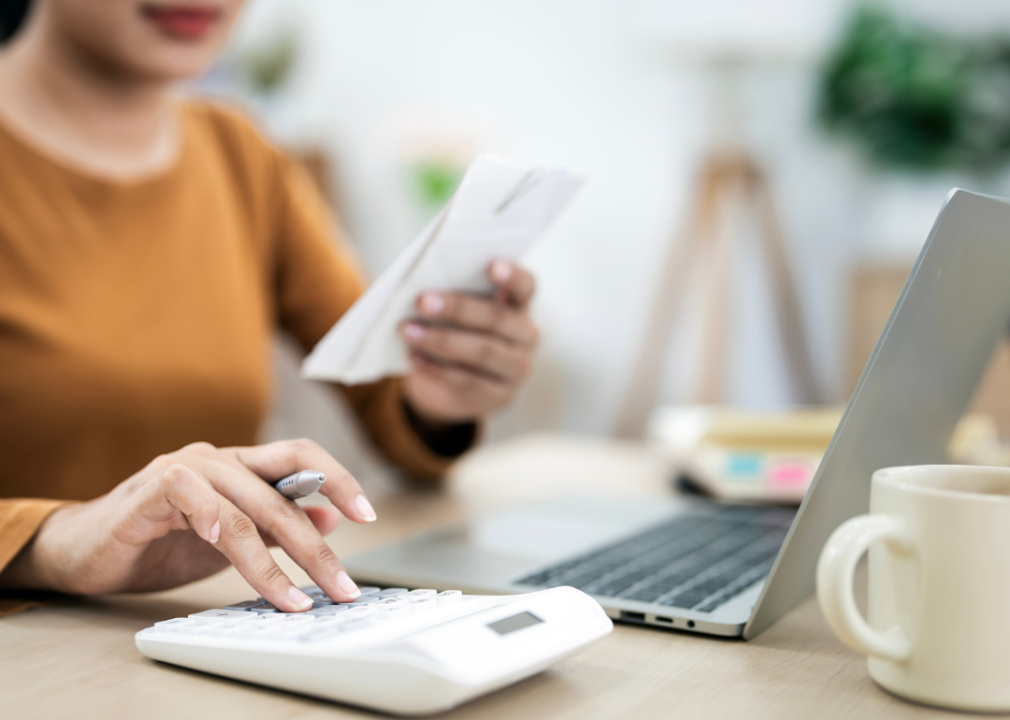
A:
939, 596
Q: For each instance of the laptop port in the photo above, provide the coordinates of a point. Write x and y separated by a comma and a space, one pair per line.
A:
660, 618
632, 616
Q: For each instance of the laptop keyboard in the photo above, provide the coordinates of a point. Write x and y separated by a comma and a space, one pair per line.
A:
696, 561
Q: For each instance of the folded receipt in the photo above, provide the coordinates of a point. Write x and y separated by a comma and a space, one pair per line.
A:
499, 210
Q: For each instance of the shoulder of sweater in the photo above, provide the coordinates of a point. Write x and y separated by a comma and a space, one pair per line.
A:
230, 128
224, 132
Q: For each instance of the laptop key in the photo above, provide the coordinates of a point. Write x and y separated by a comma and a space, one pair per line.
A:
644, 596
686, 600
723, 548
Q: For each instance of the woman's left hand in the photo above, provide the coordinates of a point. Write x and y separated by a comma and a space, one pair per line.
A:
470, 353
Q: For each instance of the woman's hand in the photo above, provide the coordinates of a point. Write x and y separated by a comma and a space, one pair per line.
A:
470, 353
189, 514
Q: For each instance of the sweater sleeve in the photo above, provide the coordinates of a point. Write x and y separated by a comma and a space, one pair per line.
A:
19, 521
318, 279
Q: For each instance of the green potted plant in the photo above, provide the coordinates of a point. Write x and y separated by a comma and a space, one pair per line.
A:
926, 110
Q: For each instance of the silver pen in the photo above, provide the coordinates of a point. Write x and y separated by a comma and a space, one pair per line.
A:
301, 484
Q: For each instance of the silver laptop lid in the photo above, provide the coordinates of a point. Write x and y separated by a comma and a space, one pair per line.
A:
938, 342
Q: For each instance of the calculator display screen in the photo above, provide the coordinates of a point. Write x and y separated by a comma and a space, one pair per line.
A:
516, 622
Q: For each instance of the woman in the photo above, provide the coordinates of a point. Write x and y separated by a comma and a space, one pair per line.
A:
148, 249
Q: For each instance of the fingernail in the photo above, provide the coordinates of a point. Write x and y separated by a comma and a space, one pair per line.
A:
347, 585
414, 331
300, 599
501, 270
432, 303
365, 508
215, 532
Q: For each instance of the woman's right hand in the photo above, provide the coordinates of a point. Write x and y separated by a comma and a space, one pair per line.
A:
189, 514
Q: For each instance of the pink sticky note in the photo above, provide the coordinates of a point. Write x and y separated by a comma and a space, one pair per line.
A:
789, 474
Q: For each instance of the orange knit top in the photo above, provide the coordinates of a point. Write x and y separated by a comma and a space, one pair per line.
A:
137, 317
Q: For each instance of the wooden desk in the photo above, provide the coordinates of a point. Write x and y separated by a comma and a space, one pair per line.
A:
79, 660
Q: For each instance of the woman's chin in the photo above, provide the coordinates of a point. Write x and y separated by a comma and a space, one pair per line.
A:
173, 63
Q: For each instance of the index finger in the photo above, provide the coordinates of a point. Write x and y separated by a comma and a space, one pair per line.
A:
276, 460
181, 489
516, 282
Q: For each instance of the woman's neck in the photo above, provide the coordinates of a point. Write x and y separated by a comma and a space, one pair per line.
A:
66, 103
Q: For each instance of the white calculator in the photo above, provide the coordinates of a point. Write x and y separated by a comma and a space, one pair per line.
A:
408, 652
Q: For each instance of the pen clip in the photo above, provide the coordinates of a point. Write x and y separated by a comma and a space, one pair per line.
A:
525, 184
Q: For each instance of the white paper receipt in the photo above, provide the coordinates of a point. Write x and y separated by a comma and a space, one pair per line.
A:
498, 211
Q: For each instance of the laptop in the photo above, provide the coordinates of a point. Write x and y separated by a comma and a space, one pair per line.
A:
733, 570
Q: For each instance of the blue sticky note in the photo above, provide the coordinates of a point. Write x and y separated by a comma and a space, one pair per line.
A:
744, 467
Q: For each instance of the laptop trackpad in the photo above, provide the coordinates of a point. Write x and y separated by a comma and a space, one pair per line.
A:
556, 529
490, 552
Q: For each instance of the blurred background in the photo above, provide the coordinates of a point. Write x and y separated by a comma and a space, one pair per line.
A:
856, 119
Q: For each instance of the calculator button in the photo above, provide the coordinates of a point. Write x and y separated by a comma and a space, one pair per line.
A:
353, 625
172, 626
310, 589
391, 592
330, 631
393, 611
275, 630
423, 592
321, 602
200, 626
270, 618
264, 609
363, 600
449, 597
328, 610
222, 614
401, 600
324, 623
368, 590
318, 634
255, 630
299, 618
422, 603
222, 632
247, 605
228, 628
363, 611
287, 630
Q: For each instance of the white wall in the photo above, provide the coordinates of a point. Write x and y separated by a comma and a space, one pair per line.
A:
593, 85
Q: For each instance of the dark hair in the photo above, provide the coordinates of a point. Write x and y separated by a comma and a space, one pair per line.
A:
12, 15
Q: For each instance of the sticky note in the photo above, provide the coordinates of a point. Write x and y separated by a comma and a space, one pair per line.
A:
789, 474
744, 467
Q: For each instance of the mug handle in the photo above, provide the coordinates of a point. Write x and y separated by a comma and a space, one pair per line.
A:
835, 571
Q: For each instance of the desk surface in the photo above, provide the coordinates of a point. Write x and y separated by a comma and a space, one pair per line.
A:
78, 659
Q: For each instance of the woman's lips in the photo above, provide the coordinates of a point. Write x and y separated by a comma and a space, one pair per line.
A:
189, 22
